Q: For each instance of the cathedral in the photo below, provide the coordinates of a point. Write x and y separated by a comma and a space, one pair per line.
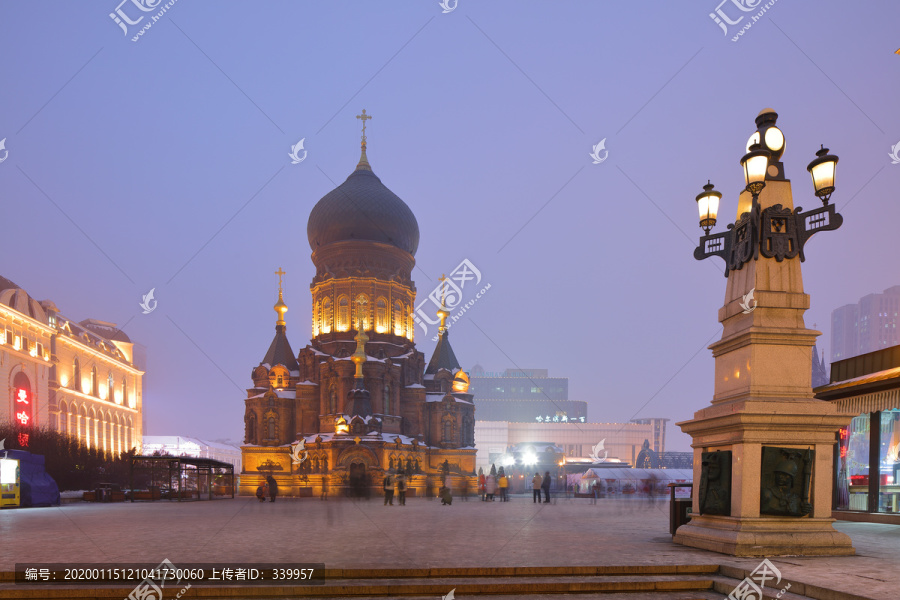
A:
359, 402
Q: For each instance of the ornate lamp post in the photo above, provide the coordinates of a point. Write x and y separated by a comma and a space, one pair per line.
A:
763, 448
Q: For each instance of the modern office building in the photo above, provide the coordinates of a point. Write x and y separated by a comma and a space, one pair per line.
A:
524, 396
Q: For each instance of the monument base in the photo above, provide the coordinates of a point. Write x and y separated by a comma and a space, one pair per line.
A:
765, 536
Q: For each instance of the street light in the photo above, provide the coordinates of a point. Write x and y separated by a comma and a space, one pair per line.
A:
755, 163
708, 205
775, 231
822, 170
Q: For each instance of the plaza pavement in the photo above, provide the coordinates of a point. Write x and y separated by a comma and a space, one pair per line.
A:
367, 534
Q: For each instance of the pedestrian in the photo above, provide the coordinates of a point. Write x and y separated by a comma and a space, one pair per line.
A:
273, 488
536, 488
596, 489
262, 491
546, 487
388, 490
401, 488
481, 486
490, 487
504, 488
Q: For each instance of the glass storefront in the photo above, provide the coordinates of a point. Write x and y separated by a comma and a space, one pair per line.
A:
857, 459
889, 462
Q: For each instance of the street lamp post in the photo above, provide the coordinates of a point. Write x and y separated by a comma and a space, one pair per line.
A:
763, 448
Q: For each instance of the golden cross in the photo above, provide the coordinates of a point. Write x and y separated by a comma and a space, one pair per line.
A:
442, 279
280, 273
364, 117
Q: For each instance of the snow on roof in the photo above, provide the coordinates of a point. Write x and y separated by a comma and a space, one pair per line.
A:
307, 382
434, 397
295, 373
279, 393
415, 385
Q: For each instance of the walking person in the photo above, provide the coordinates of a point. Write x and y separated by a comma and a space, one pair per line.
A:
401, 488
490, 487
504, 488
595, 491
273, 488
545, 485
536, 488
262, 491
388, 489
481, 486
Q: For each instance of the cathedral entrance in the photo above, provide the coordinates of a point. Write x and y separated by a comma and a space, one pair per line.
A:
357, 480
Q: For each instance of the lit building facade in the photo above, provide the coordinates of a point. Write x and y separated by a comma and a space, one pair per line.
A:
75, 378
359, 399
622, 441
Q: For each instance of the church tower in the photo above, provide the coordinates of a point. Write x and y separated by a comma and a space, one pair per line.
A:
358, 397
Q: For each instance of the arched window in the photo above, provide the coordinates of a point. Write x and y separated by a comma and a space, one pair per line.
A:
279, 380
381, 324
387, 398
95, 384
343, 316
128, 434
332, 400
110, 386
327, 315
448, 431
124, 390
82, 426
398, 318
76, 375
317, 307
271, 431
409, 322
73, 422
251, 429
63, 418
361, 312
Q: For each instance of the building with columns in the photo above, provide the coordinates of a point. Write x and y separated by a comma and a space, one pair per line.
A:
78, 378
358, 402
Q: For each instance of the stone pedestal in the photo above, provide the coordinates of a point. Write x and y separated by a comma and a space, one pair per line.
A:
763, 397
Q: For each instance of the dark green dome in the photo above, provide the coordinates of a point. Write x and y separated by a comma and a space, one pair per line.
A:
363, 208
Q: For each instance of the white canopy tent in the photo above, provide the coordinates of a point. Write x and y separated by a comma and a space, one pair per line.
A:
624, 482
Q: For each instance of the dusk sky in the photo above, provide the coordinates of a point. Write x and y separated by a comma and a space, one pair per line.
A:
163, 163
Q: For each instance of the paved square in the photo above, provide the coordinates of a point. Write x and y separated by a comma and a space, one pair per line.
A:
357, 534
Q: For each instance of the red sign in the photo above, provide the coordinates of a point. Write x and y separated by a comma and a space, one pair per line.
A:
23, 407
23, 440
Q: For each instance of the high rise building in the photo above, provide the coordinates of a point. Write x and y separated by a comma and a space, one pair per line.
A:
867, 326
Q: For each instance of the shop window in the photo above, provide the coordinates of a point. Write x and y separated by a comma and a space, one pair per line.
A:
889, 462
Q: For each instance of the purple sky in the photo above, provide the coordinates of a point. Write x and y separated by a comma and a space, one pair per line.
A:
163, 164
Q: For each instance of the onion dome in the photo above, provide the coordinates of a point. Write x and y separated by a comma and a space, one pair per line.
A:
363, 208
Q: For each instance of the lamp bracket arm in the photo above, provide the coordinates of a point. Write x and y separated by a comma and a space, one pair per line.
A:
813, 221
717, 244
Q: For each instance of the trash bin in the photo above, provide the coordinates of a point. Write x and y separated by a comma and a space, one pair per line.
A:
679, 508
